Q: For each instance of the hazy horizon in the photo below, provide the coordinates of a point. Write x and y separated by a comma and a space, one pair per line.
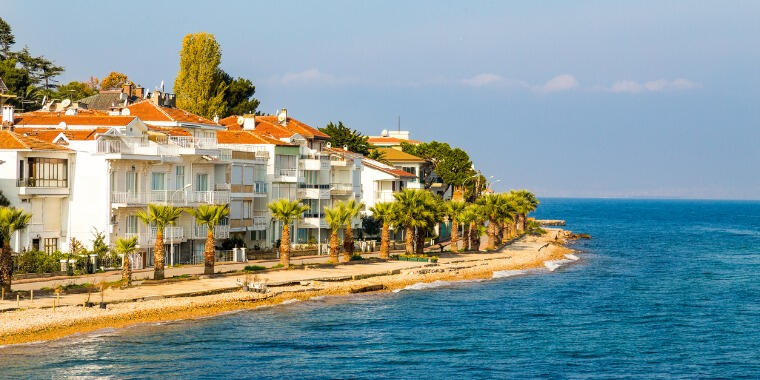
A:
652, 99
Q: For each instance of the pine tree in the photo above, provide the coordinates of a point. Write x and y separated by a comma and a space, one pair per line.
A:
199, 87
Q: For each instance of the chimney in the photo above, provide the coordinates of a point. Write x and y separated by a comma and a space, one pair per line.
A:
216, 119
155, 97
127, 88
282, 117
248, 123
140, 92
8, 114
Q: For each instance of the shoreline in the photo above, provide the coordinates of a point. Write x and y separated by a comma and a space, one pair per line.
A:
38, 325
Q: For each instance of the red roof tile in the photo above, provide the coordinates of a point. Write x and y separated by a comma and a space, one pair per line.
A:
13, 140
55, 118
149, 111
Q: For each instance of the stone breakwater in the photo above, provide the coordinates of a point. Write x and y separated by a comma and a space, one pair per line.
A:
29, 325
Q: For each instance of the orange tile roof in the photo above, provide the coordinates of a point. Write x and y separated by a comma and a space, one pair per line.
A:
55, 118
395, 155
149, 111
231, 122
387, 169
296, 126
171, 131
391, 140
49, 134
245, 137
13, 140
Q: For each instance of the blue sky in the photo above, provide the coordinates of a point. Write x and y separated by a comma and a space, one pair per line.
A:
592, 99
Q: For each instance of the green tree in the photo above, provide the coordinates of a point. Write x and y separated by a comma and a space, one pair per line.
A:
525, 202
210, 216
74, 90
452, 165
384, 211
341, 136
238, 97
199, 86
126, 247
285, 212
159, 217
377, 155
412, 211
454, 211
11, 220
114, 79
335, 217
6, 38
352, 210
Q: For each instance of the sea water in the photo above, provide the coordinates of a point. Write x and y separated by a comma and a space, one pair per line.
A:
664, 289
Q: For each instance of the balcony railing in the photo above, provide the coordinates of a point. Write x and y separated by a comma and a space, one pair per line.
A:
288, 172
171, 196
342, 187
109, 146
193, 142
384, 196
220, 231
42, 182
224, 155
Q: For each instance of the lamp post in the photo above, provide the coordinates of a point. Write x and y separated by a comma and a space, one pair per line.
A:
171, 232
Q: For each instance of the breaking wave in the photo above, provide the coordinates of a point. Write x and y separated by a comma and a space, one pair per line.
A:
507, 273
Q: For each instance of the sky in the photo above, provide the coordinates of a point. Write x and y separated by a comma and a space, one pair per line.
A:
566, 98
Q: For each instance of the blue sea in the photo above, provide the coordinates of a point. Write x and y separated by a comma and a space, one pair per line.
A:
665, 289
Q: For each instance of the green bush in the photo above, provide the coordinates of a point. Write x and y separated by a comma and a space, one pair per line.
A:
38, 262
357, 258
251, 268
534, 228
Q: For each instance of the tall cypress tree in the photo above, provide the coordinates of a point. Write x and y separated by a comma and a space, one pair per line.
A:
198, 87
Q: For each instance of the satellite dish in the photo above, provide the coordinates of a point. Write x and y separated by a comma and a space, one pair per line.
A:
384, 133
281, 117
125, 111
65, 103
329, 145
70, 112
240, 120
62, 125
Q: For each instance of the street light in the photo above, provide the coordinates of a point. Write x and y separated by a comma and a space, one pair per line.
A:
171, 232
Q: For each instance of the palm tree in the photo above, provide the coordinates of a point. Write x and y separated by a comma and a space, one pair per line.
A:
489, 204
384, 211
159, 216
352, 210
475, 218
410, 212
454, 210
209, 216
285, 212
126, 247
11, 220
525, 202
335, 217
506, 214
435, 211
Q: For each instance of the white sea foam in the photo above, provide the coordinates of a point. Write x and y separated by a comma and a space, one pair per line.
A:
507, 273
552, 265
572, 257
317, 298
424, 285
289, 301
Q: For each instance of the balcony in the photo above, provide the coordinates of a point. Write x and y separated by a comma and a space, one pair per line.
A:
314, 162
308, 191
341, 188
247, 152
41, 186
384, 196
260, 220
173, 234
286, 175
169, 196
338, 161
109, 146
221, 231
193, 142
312, 221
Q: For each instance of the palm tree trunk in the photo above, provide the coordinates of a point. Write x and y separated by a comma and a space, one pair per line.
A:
208, 268
333, 247
505, 232
6, 267
158, 255
491, 235
409, 240
521, 222
454, 246
285, 246
348, 243
420, 241
126, 271
384, 237
474, 238
465, 238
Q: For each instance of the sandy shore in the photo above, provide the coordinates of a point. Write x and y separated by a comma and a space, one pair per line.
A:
45, 323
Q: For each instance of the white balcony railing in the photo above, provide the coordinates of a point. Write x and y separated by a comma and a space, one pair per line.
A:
220, 231
342, 187
193, 142
109, 146
171, 196
290, 172
384, 196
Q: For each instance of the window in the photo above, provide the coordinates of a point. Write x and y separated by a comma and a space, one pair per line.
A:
35, 244
259, 173
113, 181
201, 182
314, 204
310, 177
131, 224
157, 181
236, 175
131, 182
51, 245
48, 172
247, 175
284, 161
21, 169
246, 209
235, 207
179, 177
259, 235
284, 190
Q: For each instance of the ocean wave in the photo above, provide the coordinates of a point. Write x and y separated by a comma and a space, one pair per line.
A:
289, 301
552, 265
572, 257
317, 298
507, 273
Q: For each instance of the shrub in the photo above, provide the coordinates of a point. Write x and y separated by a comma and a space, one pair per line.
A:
534, 228
357, 258
38, 262
251, 268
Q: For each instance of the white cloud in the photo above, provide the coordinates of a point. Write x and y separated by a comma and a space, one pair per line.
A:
483, 80
631, 87
310, 77
559, 83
